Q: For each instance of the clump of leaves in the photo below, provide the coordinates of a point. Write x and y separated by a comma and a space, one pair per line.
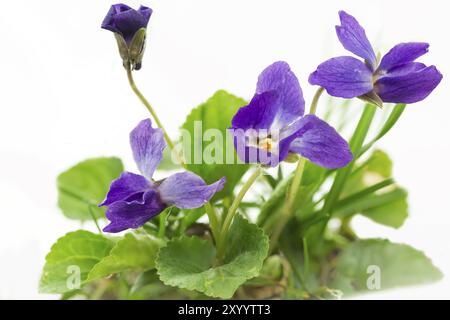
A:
175, 255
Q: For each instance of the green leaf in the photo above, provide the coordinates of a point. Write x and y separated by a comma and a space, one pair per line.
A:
391, 212
341, 178
358, 266
188, 263
214, 114
84, 186
133, 252
74, 254
387, 206
148, 286
376, 168
380, 163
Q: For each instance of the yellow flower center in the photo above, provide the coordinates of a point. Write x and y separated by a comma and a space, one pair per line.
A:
266, 144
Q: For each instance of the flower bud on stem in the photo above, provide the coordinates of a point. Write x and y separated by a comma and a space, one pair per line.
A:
212, 214
148, 106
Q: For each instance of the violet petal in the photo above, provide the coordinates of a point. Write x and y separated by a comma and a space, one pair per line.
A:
401, 54
354, 39
125, 215
344, 77
186, 190
320, 143
408, 88
259, 113
146, 12
127, 185
278, 77
125, 20
147, 145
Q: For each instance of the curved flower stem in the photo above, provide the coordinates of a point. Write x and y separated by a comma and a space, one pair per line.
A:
315, 101
287, 209
232, 211
148, 106
213, 220
356, 143
94, 219
212, 214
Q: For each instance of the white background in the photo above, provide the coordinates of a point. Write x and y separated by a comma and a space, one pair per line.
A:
64, 98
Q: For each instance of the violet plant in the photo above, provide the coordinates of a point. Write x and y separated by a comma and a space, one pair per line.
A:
233, 220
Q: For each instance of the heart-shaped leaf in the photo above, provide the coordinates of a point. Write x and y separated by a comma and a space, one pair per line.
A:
215, 157
188, 262
82, 187
71, 259
376, 264
133, 252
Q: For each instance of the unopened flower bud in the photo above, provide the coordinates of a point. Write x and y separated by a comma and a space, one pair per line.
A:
129, 27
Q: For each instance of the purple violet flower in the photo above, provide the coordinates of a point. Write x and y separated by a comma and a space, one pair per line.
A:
273, 125
126, 21
397, 78
129, 27
134, 199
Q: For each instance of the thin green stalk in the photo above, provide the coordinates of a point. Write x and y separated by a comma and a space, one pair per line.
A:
213, 220
162, 224
361, 194
390, 122
315, 101
349, 200
287, 209
149, 107
356, 143
370, 202
94, 218
346, 230
232, 211
212, 217
295, 185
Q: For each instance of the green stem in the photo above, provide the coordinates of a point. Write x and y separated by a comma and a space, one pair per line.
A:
315, 101
94, 218
287, 209
356, 143
149, 107
212, 217
390, 122
162, 224
295, 185
365, 192
346, 230
232, 211
213, 220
